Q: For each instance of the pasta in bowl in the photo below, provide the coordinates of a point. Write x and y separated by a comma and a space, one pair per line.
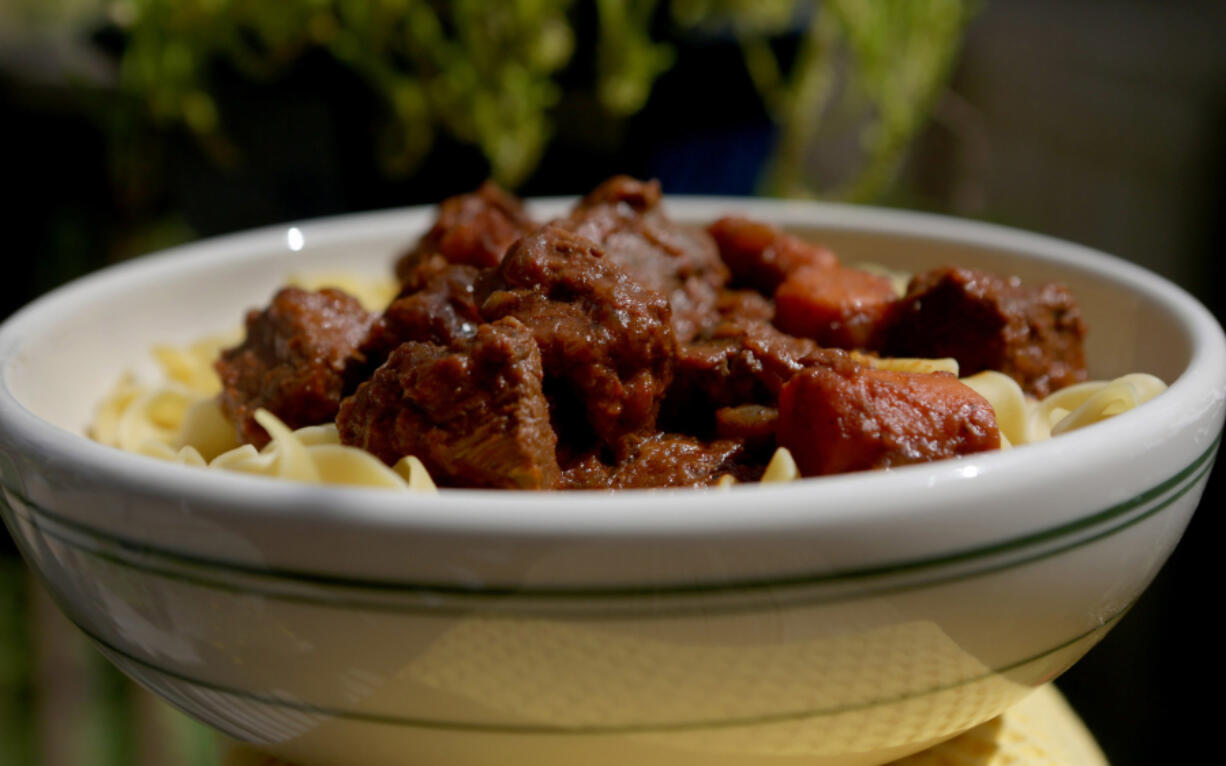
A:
846, 619
614, 347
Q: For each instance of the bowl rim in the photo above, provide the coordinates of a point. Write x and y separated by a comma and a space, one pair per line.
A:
848, 499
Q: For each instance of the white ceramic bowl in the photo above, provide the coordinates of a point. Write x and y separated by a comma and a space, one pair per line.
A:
843, 620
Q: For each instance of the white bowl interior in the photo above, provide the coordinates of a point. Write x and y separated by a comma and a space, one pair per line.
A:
174, 299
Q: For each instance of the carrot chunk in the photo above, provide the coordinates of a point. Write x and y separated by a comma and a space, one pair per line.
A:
842, 418
839, 308
761, 256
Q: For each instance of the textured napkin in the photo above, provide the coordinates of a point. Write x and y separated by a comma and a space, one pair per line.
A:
1041, 730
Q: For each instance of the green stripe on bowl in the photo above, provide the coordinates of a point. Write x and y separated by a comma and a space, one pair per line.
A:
817, 587
604, 606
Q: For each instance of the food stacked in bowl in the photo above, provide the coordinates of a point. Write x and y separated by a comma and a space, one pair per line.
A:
935, 556
613, 348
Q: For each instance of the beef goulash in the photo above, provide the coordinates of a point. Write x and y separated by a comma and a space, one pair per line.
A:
616, 348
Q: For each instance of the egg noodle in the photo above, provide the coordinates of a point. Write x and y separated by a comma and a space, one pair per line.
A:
180, 420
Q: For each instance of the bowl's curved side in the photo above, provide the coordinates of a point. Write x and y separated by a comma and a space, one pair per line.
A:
841, 670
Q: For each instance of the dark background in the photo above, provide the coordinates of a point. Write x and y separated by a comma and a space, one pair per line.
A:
1100, 122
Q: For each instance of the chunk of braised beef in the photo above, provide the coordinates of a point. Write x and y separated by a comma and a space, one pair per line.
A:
625, 218
473, 229
838, 307
662, 460
436, 305
1034, 334
845, 417
761, 256
299, 358
741, 363
639, 196
473, 412
676, 460
741, 306
434, 273
587, 471
715, 372
601, 334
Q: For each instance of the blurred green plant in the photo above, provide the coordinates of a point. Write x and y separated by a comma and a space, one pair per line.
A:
900, 53
486, 73
489, 74
479, 71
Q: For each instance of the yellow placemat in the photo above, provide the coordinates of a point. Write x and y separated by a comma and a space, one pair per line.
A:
1041, 730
